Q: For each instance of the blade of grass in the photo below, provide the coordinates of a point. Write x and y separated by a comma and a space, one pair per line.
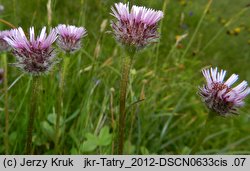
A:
197, 28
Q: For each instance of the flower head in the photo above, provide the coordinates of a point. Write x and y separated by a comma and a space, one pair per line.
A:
36, 55
219, 96
4, 46
136, 27
70, 37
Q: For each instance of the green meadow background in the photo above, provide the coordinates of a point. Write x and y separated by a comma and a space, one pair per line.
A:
164, 112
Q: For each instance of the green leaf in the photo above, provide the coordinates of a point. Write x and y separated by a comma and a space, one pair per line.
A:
12, 137
104, 138
129, 148
90, 144
186, 150
47, 129
52, 118
73, 151
144, 151
72, 116
92, 138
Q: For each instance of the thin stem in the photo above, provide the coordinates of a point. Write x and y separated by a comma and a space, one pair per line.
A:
123, 92
111, 106
33, 110
7, 23
60, 102
160, 30
203, 133
49, 12
197, 28
6, 104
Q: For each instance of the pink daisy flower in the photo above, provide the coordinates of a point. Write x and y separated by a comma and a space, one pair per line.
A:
219, 96
137, 27
69, 39
34, 55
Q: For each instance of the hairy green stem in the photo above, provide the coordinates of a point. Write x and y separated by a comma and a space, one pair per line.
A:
33, 110
60, 102
6, 104
127, 61
203, 133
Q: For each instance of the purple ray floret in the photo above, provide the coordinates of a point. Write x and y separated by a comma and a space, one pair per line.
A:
36, 54
69, 39
219, 96
4, 46
136, 27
